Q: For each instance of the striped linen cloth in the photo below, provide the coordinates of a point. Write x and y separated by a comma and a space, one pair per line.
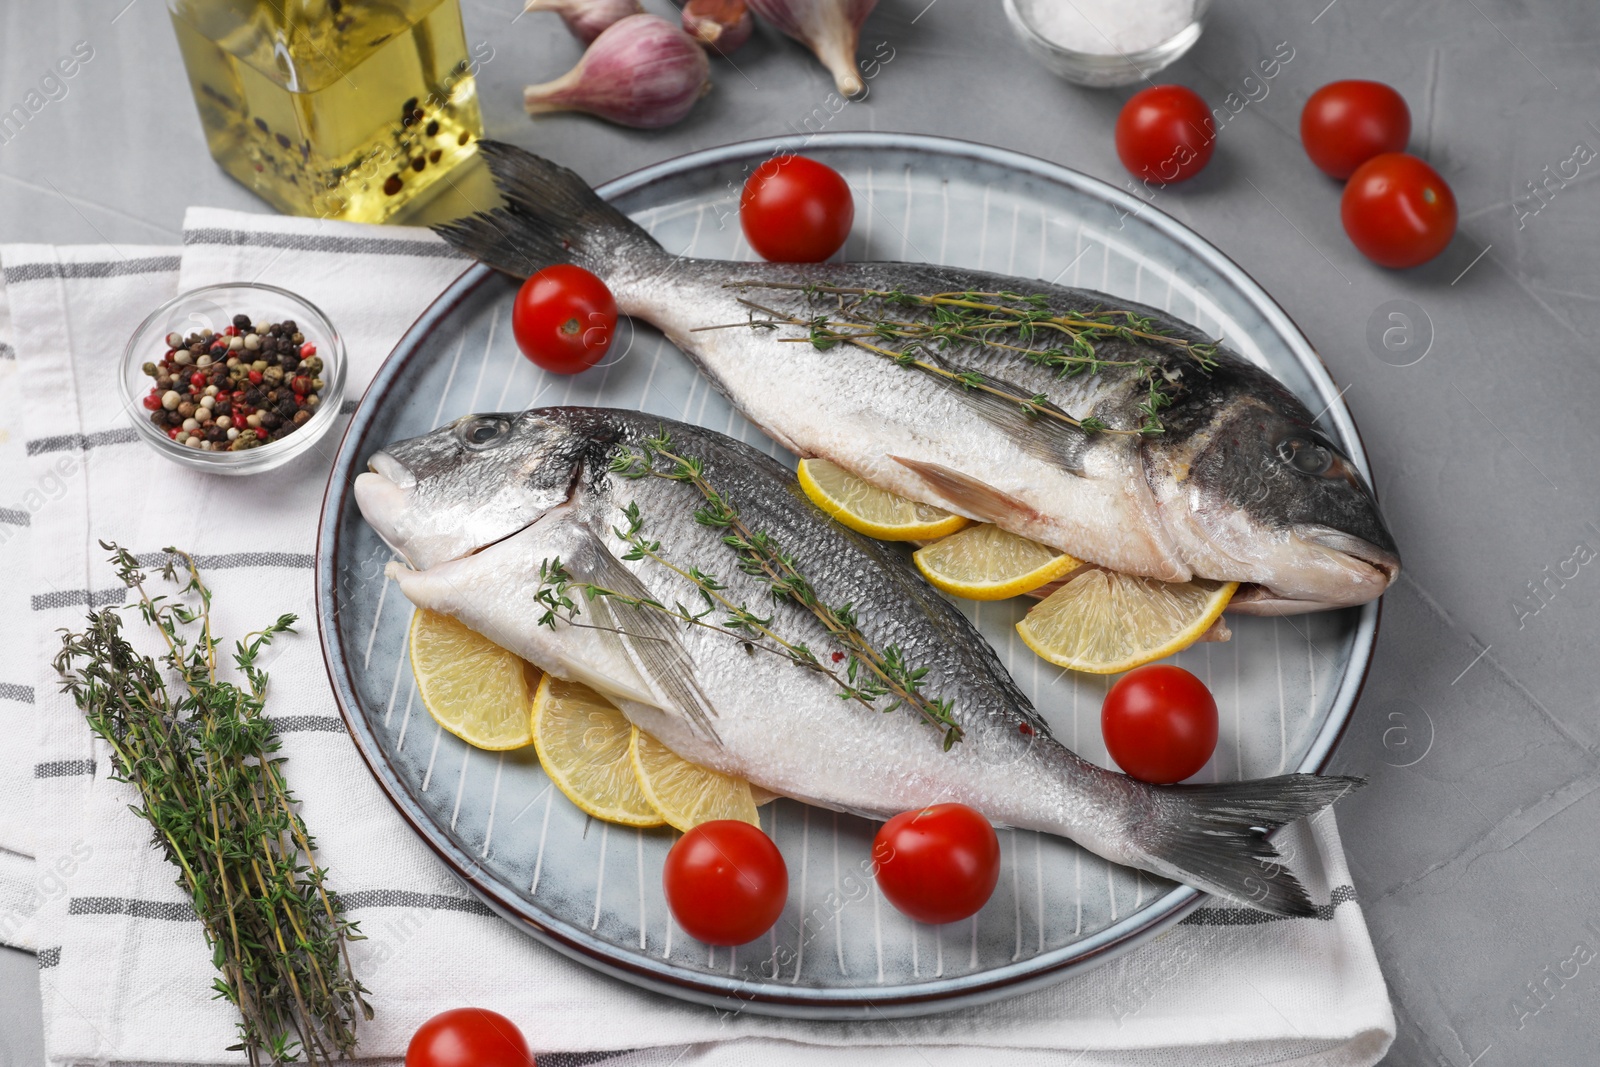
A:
124, 972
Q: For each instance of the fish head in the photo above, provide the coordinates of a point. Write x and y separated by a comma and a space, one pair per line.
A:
467, 485
1258, 490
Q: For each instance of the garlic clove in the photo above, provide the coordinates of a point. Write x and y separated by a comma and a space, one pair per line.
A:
587, 19
642, 71
830, 28
720, 25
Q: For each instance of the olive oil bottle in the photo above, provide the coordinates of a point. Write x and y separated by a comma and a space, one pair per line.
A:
343, 109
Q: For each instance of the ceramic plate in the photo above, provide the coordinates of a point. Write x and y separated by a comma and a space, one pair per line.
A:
1285, 687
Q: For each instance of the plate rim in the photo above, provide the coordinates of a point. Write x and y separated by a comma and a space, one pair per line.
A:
771, 997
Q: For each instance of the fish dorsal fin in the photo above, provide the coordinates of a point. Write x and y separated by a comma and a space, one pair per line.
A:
648, 638
966, 492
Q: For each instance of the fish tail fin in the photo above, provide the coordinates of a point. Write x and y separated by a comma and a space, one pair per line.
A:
551, 215
1214, 837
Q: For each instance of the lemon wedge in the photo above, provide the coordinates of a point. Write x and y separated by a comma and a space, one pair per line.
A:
685, 793
583, 742
984, 562
869, 510
1102, 622
470, 685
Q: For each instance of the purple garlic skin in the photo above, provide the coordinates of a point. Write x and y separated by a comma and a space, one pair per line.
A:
642, 72
721, 25
830, 28
587, 19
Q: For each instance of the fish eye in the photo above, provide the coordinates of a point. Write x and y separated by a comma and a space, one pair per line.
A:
483, 431
1307, 457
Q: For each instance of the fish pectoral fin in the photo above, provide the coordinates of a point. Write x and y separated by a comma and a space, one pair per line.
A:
966, 492
1041, 430
647, 636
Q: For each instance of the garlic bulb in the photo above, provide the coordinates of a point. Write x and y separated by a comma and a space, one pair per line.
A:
827, 27
720, 25
587, 19
642, 71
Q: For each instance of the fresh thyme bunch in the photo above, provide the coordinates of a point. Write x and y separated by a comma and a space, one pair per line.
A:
202, 757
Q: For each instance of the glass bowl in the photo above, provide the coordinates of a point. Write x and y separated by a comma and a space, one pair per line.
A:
1101, 70
213, 307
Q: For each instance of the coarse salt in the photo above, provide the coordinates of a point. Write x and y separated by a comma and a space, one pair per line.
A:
1108, 27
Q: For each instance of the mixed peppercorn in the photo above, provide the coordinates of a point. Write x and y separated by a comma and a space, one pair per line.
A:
238, 389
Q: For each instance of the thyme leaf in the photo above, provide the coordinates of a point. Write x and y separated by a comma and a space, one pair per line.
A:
870, 673
1022, 324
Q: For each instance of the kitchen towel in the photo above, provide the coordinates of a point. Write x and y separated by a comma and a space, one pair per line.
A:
124, 970
18, 502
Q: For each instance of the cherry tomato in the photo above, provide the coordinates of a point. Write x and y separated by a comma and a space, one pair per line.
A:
1398, 211
726, 882
939, 864
1165, 134
564, 318
1346, 123
1160, 723
468, 1037
796, 210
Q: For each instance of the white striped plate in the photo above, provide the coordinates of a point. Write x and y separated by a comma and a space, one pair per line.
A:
1285, 687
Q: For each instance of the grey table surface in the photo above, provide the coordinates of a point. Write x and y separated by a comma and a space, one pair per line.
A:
1474, 848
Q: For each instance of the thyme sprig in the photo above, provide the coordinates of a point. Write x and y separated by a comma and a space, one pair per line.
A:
1018, 323
202, 757
869, 673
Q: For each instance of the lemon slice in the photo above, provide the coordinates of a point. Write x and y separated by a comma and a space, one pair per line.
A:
984, 562
867, 509
582, 740
1103, 622
470, 685
685, 793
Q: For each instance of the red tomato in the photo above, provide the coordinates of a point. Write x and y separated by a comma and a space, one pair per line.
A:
1398, 211
796, 210
1160, 723
1346, 123
1165, 134
564, 318
468, 1037
726, 882
939, 864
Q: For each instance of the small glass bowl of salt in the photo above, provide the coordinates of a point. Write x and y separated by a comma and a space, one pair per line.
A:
1107, 42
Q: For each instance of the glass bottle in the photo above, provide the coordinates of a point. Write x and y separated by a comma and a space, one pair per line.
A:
343, 109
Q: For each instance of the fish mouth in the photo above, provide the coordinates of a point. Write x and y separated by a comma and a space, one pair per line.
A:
1359, 548
382, 494
1359, 571
397, 473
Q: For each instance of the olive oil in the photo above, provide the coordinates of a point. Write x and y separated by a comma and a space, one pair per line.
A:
343, 109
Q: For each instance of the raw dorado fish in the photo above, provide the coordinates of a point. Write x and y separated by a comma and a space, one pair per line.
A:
1239, 486
483, 509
